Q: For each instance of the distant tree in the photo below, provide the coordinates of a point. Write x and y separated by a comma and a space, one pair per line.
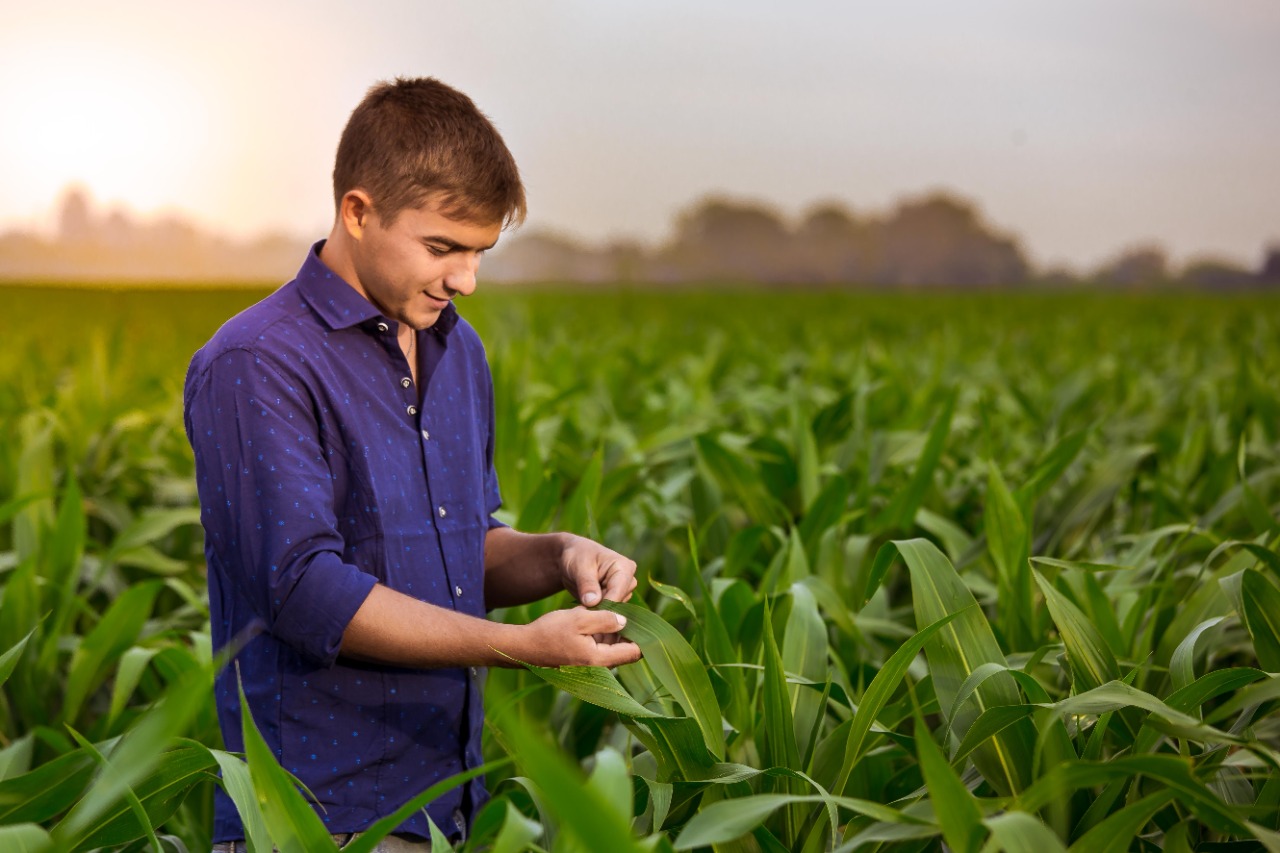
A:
722, 239
940, 239
1144, 264
1270, 272
547, 256
75, 217
1217, 274
831, 245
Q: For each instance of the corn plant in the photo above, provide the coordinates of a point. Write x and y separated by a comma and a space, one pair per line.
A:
978, 572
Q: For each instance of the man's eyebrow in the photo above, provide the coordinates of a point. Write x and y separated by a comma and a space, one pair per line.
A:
455, 246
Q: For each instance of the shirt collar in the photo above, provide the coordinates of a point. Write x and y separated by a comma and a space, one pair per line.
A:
340, 305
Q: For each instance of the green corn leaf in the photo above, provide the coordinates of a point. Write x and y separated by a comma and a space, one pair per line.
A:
1009, 542
153, 801
1261, 602
964, 645
956, 810
1172, 772
9, 660
677, 667
778, 747
737, 477
577, 514
1182, 664
594, 684
48, 790
238, 783
540, 508
25, 838
1117, 831
580, 810
1115, 695
516, 835
990, 723
1092, 663
611, 779
62, 568
132, 664
116, 632
660, 794
292, 824
1264, 690
1079, 565
806, 458
878, 693
677, 595
902, 509
15, 759
1050, 467
825, 511
1019, 832
150, 528
136, 754
438, 840
724, 821
370, 838
804, 653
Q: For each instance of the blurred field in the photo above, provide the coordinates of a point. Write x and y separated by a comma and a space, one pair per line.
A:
1097, 471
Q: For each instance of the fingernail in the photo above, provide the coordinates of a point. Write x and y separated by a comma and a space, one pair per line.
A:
590, 598
622, 621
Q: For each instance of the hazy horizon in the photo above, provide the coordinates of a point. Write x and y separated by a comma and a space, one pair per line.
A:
1081, 128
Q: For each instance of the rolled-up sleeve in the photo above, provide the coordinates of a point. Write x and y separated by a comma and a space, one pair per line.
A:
267, 500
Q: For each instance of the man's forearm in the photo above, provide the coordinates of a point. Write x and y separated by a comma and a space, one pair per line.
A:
522, 567
393, 628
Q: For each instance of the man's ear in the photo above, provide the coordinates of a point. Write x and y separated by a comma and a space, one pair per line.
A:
354, 211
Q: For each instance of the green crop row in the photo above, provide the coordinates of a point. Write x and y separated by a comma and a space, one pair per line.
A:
994, 572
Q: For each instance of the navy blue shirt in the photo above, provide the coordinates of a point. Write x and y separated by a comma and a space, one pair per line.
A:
322, 469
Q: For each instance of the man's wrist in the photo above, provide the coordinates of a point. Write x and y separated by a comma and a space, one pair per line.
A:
508, 645
562, 543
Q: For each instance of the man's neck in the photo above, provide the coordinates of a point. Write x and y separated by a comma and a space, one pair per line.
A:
336, 255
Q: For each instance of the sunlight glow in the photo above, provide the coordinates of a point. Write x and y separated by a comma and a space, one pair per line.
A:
123, 126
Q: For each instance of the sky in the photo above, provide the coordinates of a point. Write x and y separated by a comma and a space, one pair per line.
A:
1082, 126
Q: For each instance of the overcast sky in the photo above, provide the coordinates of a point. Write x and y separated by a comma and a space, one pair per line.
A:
1082, 126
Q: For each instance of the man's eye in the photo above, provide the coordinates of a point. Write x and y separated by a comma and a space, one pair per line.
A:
438, 252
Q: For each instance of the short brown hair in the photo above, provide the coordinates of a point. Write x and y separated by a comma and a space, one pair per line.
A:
418, 139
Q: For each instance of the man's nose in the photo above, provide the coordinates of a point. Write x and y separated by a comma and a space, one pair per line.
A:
461, 278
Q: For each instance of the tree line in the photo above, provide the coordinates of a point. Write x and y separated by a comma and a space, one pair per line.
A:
934, 240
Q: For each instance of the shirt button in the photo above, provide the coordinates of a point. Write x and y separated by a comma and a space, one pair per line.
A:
382, 327
413, 410
457, 590
426, 436
442, 512
406, 382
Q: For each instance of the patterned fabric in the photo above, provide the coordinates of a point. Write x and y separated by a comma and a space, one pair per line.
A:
322, 470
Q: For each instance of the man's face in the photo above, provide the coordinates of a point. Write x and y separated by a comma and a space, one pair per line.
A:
414, 267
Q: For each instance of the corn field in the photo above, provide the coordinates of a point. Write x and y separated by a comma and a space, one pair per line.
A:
986, 572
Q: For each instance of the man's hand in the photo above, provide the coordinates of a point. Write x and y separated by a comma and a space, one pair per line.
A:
591, 571
569, 638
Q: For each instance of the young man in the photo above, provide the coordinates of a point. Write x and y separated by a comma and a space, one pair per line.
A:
343, 437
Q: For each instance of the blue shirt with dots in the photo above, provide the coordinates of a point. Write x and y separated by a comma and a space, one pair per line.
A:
323, 469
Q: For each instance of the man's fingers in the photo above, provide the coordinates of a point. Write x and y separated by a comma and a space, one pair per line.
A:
620, 579
602, 622
588, 589
617, 654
